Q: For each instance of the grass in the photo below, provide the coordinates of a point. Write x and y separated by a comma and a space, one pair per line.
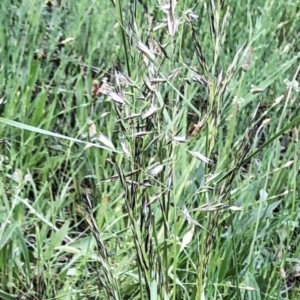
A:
149, 151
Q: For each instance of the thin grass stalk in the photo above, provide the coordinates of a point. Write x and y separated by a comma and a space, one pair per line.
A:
107, 282
123, 35
143, 263
215, 94
164, 204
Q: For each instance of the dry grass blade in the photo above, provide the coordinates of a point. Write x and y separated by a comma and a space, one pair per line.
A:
172, 21
141, 134
118, 98
150, 112
179, 139
201, 157
125, 148
157, 48
248, 59
187, 238
106, 141
154, 171
122, 80
92, 128
67, 40
145, 50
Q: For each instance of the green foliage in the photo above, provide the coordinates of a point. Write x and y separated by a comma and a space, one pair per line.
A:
149, 151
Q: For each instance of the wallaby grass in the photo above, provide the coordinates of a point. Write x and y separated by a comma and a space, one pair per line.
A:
149, 150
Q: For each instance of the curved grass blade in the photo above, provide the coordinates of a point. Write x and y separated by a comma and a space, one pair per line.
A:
50, 133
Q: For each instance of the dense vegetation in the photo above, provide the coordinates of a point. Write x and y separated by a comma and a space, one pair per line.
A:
149, 149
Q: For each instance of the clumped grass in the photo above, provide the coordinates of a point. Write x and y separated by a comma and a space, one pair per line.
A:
149, 150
